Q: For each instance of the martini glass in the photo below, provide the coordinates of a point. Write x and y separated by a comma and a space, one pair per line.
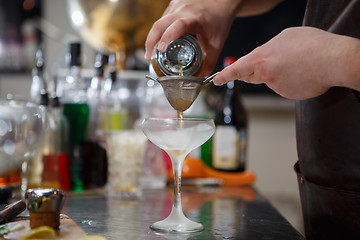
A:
177, 136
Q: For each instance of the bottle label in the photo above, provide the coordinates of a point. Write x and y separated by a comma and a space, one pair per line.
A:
228, 148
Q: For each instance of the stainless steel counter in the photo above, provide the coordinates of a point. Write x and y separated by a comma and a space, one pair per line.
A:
226, 213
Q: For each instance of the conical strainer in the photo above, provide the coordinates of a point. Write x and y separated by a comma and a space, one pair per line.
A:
181, 91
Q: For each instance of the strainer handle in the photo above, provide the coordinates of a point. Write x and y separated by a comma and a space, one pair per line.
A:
210, 78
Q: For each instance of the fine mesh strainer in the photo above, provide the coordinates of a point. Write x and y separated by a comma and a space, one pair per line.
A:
181, 91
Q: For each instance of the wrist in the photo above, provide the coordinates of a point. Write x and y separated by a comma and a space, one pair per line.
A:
233, 6
255, 7
349, 60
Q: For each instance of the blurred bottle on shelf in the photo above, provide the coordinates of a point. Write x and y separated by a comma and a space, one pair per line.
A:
38, 83
111, 77
229, 142
76, 110
33, 168
58, 155
48, 168
96, 98
115, 116
157, 163
49, 175
95, 156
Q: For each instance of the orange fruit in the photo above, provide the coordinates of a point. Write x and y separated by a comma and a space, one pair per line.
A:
231, 178
192, 168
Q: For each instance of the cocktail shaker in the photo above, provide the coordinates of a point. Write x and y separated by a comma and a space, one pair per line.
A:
44, 205
182, 57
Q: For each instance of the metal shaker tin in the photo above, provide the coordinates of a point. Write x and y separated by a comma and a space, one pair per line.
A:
44, 205
182, 57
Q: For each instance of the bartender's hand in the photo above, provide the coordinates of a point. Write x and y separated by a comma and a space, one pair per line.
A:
210, 20
300, 63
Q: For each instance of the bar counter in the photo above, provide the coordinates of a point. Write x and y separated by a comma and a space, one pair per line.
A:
226, 213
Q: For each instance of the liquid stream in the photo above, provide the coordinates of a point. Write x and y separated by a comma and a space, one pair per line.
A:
180, 113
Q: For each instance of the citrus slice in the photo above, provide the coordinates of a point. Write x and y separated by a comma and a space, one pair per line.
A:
93, 237
43, 232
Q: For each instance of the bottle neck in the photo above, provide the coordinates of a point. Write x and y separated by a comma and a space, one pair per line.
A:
75, 87
110, 81
74, 74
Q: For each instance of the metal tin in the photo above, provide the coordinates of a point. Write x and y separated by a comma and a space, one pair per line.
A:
182, 56
44, 199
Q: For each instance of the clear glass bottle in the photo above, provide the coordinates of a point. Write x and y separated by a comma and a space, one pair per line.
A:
60, 130
33, 169
95, 169
76, 110
111, 77
115, 116
50, 152
38, 83
44, 169
96, 95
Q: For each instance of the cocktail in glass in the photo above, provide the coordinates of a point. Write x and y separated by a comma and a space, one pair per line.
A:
178, 137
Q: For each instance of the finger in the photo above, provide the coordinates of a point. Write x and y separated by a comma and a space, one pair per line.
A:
178, 28
155, 33
242, 69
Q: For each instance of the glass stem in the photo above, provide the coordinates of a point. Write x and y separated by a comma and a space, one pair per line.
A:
177, 166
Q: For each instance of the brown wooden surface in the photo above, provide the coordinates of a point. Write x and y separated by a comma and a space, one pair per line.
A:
68, 230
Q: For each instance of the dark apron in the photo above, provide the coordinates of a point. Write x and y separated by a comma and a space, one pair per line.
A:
328, 140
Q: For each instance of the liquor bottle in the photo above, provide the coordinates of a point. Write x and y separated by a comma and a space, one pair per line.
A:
111, 77
95, 165
76, 110
96, 98
59, 141
34, 167
53, 151
230, 137
116, 115
38, 83
43, 169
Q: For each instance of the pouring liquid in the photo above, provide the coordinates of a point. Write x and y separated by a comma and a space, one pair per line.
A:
180, 113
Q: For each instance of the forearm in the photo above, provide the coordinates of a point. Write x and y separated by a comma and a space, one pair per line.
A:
349, 64
255, 7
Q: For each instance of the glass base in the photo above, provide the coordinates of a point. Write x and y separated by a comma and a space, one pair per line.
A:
176, 222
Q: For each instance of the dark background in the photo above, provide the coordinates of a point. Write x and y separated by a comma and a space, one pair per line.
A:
247, 33
13, 38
